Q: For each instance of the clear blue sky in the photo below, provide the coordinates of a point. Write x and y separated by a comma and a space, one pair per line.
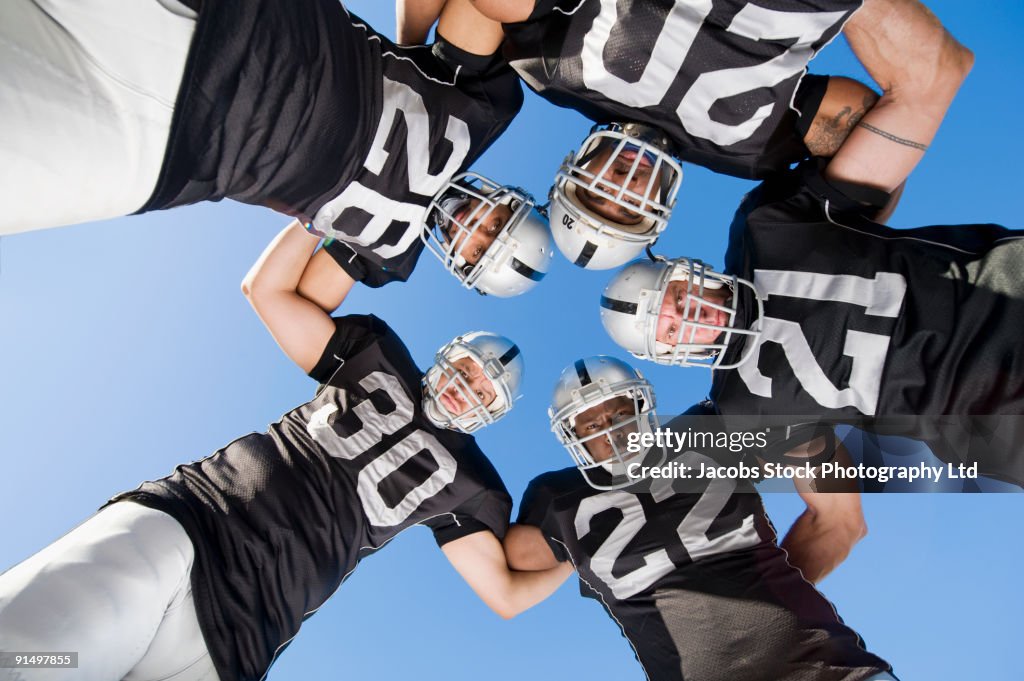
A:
126, 348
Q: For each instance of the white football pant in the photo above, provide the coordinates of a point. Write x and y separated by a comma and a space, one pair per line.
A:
87, 90
117, 591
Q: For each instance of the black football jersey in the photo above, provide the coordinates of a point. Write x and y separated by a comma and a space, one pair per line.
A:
279, 519
300, 106
862, 320
694, 579
724, 78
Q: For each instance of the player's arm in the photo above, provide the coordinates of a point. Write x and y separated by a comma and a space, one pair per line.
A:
505, 11
414, 18
526, 549
462, 25
325, 282
300, 327
843, 106
480, 559
919, 66
833, 522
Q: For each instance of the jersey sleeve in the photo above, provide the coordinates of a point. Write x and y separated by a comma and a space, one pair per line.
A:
488, 510
807, 100
783, 440
542, 8
361, 269
487, 79
352, 334
535, 510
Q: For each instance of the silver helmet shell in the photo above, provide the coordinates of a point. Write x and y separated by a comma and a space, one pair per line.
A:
637, 175
589, 383
631, 305
502, 363
520, 253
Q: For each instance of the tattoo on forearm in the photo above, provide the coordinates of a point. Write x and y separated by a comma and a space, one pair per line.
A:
828, 134
894, 138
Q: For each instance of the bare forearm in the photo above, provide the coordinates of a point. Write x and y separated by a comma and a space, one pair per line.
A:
844, 105
465, 27
414, 19
300, 328
817, 546
280, 266
919, 66
324, 282
480, 560
527, 589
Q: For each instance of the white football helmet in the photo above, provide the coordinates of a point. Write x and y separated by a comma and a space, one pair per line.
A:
590, 383
502, 364
632, 303
627, 168
502, 222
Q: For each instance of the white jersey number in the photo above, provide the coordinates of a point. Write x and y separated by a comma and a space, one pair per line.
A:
672, 46
880, 297
374, 427
692, 532
383, 209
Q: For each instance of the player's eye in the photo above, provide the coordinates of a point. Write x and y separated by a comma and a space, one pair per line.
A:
480, 395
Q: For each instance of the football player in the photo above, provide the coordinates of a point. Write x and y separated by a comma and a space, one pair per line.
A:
824, 312
122, 107
719, 83
693, 575
209, 572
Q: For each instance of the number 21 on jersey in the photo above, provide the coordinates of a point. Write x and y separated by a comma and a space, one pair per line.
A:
881, 296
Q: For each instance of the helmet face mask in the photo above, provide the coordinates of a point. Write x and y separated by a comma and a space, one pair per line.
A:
490, 237
614, 196
616, 405
634, 301
446, 382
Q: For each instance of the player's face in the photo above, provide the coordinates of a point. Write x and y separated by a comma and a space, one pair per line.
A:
678, 308
628, 168
465, 387
617, 410
482, 225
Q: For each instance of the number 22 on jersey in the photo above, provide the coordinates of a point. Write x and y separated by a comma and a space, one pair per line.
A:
692, 530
